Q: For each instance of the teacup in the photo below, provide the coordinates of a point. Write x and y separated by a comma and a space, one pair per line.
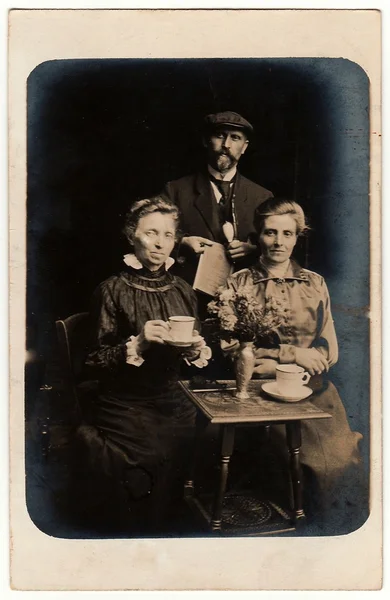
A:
290, 378
181, 328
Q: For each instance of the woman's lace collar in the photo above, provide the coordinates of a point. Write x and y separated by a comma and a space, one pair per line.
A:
132, 261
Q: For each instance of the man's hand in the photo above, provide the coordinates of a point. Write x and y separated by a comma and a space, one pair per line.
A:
237, 249
312, 360
196, 243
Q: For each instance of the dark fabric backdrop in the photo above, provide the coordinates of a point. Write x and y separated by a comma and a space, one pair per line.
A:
102, 133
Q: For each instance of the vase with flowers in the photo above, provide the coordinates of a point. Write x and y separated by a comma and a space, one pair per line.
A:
241, 318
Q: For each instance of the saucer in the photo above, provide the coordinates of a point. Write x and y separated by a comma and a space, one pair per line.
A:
179, 344
271, 389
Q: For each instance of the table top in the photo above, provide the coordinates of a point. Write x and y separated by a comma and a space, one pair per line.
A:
223, 407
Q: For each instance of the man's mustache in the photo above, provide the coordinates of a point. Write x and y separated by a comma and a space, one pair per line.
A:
224, 153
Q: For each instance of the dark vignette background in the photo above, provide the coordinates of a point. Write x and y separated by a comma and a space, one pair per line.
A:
102, 133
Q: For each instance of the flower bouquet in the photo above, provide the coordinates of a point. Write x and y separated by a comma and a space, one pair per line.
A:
241, 318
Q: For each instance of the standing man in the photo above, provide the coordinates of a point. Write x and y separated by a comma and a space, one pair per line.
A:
217, 195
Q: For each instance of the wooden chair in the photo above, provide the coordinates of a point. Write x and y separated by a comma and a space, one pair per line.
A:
72, 334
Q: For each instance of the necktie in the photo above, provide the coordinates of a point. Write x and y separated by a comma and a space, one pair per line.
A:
224, 187
224, 204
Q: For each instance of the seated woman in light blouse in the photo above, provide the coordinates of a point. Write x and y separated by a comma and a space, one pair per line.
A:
330, 452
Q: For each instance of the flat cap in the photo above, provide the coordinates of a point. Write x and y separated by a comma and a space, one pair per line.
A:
228, 118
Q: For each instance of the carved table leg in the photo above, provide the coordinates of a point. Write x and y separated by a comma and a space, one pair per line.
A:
293, 430
200, 425
227, 443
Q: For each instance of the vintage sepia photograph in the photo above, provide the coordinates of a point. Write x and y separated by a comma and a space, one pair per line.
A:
198, 295
125, 160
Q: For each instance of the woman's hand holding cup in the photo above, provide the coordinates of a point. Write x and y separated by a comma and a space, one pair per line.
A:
156, 331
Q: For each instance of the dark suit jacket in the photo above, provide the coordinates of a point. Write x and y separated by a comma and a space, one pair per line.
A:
194, 197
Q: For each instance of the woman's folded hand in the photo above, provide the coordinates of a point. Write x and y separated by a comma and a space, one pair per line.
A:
265, 368
230, 348
312, 360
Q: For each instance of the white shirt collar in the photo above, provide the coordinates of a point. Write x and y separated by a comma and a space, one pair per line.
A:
228, 176
132, 261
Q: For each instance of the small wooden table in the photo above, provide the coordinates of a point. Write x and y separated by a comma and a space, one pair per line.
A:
222, 408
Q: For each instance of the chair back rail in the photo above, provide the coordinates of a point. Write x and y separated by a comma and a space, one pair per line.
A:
71, 335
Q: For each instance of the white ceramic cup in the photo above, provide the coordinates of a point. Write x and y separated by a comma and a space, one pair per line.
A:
290, 378
181, 328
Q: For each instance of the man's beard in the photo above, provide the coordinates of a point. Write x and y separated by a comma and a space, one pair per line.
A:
223, 162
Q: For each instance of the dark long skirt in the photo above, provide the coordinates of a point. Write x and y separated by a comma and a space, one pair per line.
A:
134, 457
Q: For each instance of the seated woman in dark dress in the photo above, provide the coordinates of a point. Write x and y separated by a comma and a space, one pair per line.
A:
141, 422
330, 450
